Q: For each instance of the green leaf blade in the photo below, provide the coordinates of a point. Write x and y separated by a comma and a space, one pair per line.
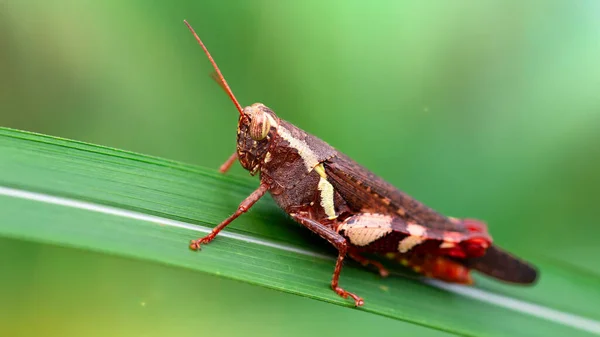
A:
139, 185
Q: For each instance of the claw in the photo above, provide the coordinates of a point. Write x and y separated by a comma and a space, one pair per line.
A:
195, 244
384, 272
358, 302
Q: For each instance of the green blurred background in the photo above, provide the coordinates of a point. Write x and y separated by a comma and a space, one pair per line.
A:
485, 109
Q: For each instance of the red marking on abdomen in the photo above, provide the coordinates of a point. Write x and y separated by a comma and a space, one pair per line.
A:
437, 267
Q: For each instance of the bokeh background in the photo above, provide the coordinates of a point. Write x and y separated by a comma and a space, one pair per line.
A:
486, 109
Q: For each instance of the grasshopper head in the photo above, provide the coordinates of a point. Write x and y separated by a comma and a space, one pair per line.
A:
257, 127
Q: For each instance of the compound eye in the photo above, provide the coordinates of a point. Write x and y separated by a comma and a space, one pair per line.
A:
259, 125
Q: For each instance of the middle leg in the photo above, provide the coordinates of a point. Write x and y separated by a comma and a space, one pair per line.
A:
356, 256
339, 242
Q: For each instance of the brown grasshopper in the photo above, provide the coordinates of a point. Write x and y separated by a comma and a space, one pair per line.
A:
352, 208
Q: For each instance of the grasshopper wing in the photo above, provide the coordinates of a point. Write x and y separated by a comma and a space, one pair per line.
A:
366, 192
502, 265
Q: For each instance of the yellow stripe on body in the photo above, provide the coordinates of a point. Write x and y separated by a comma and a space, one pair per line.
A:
327, 195
304, 151
311, 162
327, 201
409, 242
416, 238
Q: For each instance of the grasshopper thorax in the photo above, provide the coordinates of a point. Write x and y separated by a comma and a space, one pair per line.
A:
257, 128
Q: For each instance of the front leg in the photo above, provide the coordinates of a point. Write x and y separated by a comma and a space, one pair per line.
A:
243, 208
227, 165
339, 242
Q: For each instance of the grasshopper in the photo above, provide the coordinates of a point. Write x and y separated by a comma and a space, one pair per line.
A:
353, 209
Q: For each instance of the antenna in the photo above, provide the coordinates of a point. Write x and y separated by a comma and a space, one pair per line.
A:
219, 75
